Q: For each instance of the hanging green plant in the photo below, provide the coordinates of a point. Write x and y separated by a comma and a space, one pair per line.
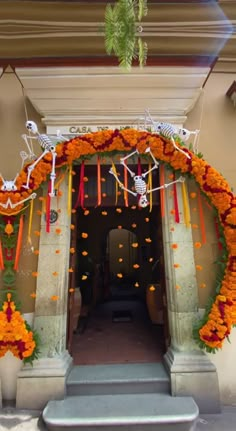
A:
123, 33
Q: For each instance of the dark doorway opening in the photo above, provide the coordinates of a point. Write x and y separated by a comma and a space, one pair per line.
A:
119, 282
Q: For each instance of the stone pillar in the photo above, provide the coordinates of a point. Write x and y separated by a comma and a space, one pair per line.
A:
189, 367
48, 374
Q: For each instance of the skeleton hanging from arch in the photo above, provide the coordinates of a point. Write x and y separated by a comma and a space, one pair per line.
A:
47, 145
140, 187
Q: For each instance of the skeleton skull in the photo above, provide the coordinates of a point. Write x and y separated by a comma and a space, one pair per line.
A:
31, 126
143, 202
8, 186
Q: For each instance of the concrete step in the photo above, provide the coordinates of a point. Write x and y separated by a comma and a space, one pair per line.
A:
129, 412
118, 379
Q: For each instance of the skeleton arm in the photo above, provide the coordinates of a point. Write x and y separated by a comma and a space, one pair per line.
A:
179, 180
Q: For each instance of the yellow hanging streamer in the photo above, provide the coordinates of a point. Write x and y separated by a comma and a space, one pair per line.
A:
69, 201
185, 205
30, 221
150, 186
57, 185
115, 172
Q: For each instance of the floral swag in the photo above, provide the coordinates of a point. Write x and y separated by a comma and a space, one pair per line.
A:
217, 323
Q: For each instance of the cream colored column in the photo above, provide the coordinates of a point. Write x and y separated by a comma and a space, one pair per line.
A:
189, 367
48, 374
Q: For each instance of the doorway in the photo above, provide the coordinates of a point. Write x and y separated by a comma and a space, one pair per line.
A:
120, 277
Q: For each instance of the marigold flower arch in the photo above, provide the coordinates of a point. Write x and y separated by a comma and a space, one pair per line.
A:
218, 324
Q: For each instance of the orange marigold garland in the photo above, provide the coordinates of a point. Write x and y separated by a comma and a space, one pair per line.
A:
16, 335
211, 183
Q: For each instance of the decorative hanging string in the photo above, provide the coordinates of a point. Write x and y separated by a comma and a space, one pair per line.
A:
30, 221
19, 243
115, 172
1, 257
185, 205
126, 201
162, 190
80, 196
48, 208
150, 186
69, 200
99, 189
176, 205
201, 217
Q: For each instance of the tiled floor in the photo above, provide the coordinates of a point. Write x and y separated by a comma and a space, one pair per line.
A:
105, 341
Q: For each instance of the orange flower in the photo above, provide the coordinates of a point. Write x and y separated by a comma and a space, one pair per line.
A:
39, 212
35, 274
119, 275
133, 207
152, 288
176, 265
119, 226
33, 295
172, 212
71, 290
84, 235
134, 245
135, 266
148, 240
57, 251
195, 226
147, 219
36, 252
84, 277
86, 212
177, 286
84, 253
54, 297
73, 211
172, 229
37, 233
85, 179
193, 195
70, 270
72, 226
136, 284
120, 246
199, 267
72, 250
174, 246
118, 210
58, 231
202, 285
197, 245
134, 225
104, 195
104, 213
150, 259
55, 273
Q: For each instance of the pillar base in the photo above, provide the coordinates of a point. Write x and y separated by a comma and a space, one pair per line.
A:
193, 374
44, 381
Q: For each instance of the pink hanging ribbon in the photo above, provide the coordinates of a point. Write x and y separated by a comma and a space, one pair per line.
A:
126, 185
176, 205
48, 207
99, 189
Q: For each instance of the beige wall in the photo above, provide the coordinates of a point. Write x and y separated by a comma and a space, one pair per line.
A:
12, 126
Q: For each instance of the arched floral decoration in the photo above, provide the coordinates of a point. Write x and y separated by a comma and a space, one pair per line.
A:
217, 325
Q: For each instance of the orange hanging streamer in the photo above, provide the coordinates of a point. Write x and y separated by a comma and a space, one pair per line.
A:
19, 243
201, 217
99, 181
162, 191
1, 258
126, 185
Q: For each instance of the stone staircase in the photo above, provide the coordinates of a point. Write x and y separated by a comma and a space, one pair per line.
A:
134, 397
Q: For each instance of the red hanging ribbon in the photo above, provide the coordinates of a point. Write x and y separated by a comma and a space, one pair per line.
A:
48, 207
80, 197
19, 243
176, 205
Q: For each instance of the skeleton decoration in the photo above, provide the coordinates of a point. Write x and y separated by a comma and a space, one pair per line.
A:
171, 132
140, 186
47, 145
9, 185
